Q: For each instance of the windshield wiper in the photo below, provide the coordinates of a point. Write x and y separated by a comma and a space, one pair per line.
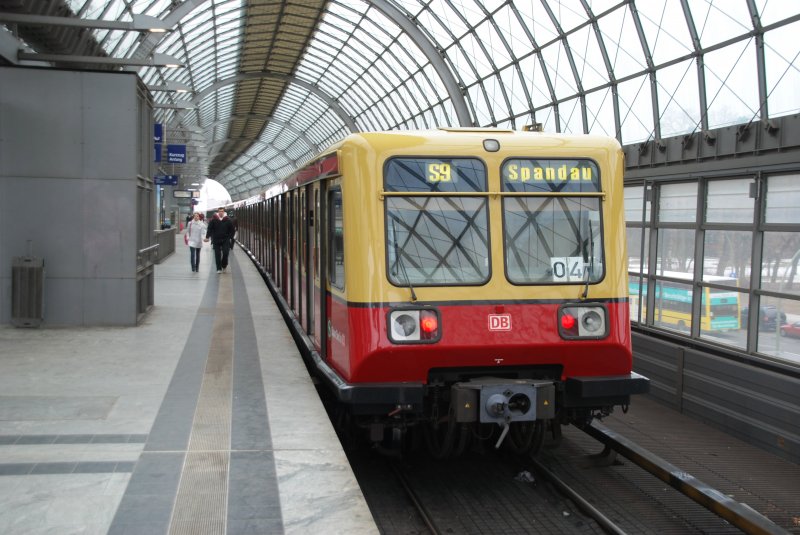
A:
399, 260
588, 271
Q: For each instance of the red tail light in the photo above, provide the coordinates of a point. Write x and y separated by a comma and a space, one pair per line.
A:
429, 324
409, 325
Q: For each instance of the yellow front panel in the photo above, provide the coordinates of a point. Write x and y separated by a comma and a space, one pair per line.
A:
362, 159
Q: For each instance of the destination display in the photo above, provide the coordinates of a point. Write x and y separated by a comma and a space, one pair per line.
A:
539, 175
435, 175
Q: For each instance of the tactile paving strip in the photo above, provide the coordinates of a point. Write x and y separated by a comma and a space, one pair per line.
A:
201, 503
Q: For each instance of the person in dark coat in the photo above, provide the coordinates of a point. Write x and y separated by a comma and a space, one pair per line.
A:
235, 230
220, 232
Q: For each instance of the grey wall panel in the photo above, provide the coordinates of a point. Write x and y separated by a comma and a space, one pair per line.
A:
735, 395
109, 127
107, 217
69, 157
40, 132
98, 292
45, 211
658, 361
750, 402
63, 301
5, 297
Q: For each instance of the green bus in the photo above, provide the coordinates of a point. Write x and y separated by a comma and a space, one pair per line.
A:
719, 308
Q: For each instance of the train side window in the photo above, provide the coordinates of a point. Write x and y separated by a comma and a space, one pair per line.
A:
335, 239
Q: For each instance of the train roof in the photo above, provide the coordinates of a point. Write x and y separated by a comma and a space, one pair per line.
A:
455, 137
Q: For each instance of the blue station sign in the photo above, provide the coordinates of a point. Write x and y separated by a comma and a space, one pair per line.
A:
176, 153
166, 180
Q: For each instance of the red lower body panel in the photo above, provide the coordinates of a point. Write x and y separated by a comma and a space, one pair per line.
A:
360, 351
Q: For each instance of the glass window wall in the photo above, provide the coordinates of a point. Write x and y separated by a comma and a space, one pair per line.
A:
745, 222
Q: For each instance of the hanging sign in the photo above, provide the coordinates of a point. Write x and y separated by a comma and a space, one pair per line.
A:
166, 180
176, 153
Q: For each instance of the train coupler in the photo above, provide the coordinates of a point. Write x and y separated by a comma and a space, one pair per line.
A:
503, 401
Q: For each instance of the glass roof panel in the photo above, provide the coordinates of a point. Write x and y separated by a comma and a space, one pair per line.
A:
636, 112
571, 119
622, 42
719, 20
731, 88
507, 57
555, 58
569, 14
535, 18
782, 53
588, 58
473, 50
600, 113
665, 27
678, 98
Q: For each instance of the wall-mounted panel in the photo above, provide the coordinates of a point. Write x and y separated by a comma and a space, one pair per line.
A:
110, 127
70, 166
41, 123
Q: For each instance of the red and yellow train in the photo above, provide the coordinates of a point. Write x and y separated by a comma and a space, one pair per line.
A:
456, 280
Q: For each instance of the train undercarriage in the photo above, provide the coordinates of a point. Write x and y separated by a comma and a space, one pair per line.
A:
479, 414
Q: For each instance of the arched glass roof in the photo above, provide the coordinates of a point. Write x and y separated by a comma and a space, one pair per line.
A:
272, 83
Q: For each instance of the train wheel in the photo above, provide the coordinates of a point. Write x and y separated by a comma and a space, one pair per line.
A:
463, 440
520, 437
349, 434
525, 437
538, 438
555, 434
440, 437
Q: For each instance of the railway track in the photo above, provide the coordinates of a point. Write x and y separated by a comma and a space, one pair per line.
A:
738, 514
569, 493
422, 511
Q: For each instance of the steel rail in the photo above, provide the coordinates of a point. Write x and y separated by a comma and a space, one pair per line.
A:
740, 515
423, 513
607, 524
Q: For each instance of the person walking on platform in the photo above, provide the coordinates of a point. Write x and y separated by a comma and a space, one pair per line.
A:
220, 231
235, 230
195, 231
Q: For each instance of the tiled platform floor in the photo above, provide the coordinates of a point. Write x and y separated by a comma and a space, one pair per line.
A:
200, 420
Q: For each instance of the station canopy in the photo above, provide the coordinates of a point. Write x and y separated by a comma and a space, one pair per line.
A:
263, 86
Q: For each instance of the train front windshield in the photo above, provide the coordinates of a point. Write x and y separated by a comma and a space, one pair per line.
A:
439, 237
436, 236
551, 221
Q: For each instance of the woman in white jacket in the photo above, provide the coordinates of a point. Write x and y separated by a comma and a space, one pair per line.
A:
195, 232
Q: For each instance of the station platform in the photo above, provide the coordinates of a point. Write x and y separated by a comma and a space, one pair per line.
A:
202, 419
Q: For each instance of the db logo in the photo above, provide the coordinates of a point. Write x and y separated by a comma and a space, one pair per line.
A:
499, 322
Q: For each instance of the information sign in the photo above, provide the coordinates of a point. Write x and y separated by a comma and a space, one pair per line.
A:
176, 153
166, 180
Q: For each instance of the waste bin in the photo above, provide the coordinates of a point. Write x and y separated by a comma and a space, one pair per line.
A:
27, 291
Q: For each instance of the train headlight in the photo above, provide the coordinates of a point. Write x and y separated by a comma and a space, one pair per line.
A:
413, 326
582, 322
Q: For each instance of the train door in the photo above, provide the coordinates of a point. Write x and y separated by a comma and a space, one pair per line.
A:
284, 238
273, 240
260, 232
296, 260
269, 242
308, 282
318, 292
302, 221
337, 311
